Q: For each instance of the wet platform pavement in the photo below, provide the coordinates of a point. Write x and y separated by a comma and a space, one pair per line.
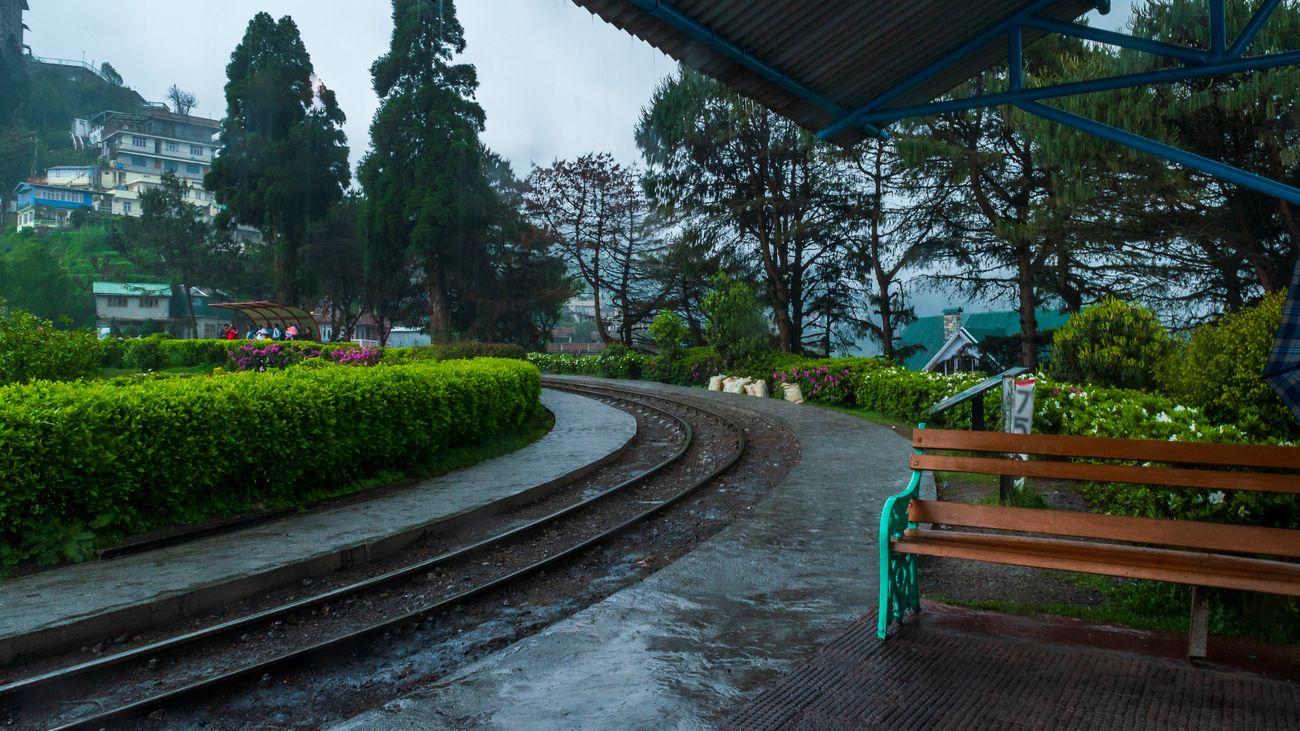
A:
95, 601
770, 624
687, 646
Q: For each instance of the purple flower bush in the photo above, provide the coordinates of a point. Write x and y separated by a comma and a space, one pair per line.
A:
356, 356
275, 355
823, 385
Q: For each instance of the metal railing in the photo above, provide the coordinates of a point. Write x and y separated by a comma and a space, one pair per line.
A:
977, 405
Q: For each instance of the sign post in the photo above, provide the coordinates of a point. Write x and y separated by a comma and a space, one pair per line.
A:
1017, 418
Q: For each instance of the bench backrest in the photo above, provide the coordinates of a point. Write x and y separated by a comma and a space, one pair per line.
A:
1263, 468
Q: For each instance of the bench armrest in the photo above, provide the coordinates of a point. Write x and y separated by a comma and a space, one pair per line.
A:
899, 592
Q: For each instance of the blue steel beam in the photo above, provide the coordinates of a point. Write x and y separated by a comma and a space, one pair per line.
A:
1182, 73
1173, 154
1252, 28
1015, 59
1218, 29
1100, 35
666, 13
858, 116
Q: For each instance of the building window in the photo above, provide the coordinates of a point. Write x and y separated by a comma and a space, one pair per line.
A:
169, 165
139, 142
117, 302
139, 162
148, 301
196, 150
172, 147
126, 207
209, 330
191, 168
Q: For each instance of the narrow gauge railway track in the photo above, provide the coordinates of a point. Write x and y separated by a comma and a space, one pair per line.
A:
694, 462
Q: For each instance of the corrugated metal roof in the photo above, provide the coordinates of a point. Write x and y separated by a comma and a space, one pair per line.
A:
927, 332
131, 289
848, 52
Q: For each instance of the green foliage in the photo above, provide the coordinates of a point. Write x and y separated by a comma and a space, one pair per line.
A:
670, 333
907, 396
1218, 372
428, 196
284, 157
33, 277
736, 329
1112, 343
145, 354
168, 451
458, 350
615, 362
32, 349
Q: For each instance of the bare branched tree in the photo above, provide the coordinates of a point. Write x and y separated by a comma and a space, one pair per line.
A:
182, 101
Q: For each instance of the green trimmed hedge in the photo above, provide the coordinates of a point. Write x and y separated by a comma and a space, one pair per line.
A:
131, 457
156, 353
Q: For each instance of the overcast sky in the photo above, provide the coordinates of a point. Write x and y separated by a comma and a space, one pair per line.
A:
555, 81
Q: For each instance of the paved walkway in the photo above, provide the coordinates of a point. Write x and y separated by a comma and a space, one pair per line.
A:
100, 600
685, 647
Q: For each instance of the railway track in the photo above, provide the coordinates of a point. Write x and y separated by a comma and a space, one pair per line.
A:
165, 673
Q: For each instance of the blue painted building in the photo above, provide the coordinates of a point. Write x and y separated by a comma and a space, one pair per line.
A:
49, 206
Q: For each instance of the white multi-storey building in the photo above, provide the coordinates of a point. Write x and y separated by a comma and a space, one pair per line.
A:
135, 149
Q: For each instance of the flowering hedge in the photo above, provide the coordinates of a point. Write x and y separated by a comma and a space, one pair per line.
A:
612, 363
131, 457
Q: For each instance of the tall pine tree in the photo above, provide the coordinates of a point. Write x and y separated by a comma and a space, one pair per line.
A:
426, 188
284, 158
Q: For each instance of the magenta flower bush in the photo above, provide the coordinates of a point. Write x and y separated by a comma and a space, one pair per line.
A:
356, 356
823, 385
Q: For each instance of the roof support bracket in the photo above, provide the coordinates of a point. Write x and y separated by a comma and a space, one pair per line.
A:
1167, 152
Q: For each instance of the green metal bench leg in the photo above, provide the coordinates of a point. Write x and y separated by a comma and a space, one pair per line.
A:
900, 593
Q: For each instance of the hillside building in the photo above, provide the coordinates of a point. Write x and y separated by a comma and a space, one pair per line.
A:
39, 204
136, 148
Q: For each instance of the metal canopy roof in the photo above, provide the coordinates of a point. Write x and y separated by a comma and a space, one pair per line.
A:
270, 313
816, 62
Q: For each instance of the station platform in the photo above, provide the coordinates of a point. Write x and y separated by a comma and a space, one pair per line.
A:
687, 646
95, 601
771, 625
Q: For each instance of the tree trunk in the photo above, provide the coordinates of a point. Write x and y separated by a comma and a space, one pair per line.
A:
439, 310
189, 308
1028, 324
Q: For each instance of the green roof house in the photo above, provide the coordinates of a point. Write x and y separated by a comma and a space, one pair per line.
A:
980, 341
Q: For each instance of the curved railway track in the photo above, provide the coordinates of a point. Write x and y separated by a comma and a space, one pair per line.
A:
113, 683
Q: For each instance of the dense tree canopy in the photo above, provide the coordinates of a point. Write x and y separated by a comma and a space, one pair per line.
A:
284, 157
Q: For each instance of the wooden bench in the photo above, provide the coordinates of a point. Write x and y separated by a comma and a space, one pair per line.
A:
1199, 554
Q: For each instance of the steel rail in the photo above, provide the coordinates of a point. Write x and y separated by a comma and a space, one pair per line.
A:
168, 647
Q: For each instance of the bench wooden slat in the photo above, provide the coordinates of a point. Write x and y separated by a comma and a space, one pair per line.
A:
1140, 450
1182, 533
1135, 562
1167, 476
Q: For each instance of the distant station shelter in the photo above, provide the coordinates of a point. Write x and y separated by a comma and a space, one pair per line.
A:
270, 314
849, 68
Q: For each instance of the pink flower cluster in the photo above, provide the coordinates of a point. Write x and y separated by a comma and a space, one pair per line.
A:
819, 384
357, 356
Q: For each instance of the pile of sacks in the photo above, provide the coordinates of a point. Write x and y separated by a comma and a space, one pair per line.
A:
753, 387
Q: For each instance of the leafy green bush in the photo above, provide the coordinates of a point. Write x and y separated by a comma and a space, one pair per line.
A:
1112, 343
1219, 372
614, 362
460, 350
145, 354
154, 452
32, 349
736, 328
